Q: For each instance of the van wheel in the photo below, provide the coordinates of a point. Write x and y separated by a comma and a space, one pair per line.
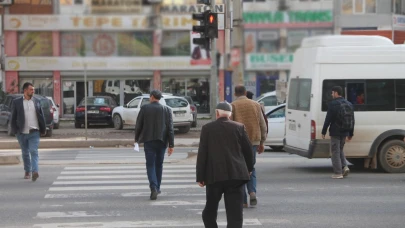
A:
391, 157
117, 122
277, 148
78, 125
185, 129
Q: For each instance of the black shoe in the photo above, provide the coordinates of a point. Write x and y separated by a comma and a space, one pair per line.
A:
153, 194
159, 192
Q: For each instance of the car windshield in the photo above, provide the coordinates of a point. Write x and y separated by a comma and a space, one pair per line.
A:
96, 101
176, 102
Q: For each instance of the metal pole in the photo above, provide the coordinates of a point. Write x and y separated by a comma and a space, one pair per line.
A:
214, 73
238, 42
85, 99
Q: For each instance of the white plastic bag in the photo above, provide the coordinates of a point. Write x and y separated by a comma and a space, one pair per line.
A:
136, 147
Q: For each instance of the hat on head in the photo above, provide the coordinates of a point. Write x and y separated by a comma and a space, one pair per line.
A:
225, 106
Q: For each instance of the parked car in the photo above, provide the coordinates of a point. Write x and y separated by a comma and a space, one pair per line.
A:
99, 111
269, 100
276, 119
55, 111
127, 114
5, 113
193, 109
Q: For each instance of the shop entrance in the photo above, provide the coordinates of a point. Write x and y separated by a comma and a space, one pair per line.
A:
72, 95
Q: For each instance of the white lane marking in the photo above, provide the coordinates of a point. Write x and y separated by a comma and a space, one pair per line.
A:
122, 176
126, 187
112, 194
125, 167
126, 171
128, 224
73, 214
178, 203
136, 194
120, 182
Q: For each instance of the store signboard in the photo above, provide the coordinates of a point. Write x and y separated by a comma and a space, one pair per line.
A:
269, 61
288, 19
100, 63
74, 22
185, 22
190, 9
398, 22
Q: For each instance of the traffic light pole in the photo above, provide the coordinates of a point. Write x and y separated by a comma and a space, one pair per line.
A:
214, 74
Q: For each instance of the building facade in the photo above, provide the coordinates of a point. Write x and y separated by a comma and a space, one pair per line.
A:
123, 51
273, 31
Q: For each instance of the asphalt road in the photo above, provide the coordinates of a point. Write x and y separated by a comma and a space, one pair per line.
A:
293, 192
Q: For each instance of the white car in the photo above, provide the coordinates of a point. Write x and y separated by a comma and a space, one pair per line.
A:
269, 100
181, 111
276, 119
55, 112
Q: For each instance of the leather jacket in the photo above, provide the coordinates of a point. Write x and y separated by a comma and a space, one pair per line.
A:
155, 122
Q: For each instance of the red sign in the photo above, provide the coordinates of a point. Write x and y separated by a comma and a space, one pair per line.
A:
235, 57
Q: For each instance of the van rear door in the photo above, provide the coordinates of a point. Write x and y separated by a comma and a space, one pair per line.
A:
300, 129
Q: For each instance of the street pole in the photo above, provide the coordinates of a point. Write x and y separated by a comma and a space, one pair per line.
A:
238, 43
214, 73
85, 99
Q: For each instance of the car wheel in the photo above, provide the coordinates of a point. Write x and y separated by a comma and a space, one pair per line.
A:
277, 148
117, 122
9, 130
78, 125
391, 157
56, 126
185, 129
49, 133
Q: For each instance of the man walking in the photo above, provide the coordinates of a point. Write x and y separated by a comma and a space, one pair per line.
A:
28, 123
154, 128
340, 121
249, 113
224, 163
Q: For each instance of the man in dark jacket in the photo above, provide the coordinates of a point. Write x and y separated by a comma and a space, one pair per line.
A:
28, 123
154, 128
224, 165
337, 134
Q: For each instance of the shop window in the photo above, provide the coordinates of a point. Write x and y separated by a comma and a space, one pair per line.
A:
176, 43
35, 44
262, 41
106, 44
196, 88
134, 88
358, 6
42, 86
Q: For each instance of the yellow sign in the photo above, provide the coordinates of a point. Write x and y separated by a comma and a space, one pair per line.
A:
71, 22
35, 44
13, 65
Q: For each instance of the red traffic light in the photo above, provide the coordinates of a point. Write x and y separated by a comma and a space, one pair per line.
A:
212, 19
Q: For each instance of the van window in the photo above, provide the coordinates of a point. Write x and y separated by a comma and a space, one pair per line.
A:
365, 95
300, 94
400, 94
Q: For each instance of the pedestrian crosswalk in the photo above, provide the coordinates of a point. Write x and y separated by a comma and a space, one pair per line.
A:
118, 196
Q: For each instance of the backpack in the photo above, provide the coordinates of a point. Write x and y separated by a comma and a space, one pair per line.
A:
345, 116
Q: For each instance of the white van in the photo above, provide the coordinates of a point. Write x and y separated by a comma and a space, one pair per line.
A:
371, 70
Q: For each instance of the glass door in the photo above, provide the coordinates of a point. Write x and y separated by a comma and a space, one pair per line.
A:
72, 95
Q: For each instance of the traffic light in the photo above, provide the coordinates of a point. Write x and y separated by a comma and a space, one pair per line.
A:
203, 41
212, 25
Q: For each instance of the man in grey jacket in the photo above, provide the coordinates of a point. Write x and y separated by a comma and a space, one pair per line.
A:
154, 128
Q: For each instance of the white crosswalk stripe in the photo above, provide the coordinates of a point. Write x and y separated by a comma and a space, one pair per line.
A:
97, 183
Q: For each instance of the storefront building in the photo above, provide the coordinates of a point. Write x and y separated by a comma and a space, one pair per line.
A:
371, 17
122, 55
272, 36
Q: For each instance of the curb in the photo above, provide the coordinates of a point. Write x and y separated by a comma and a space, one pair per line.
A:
10, 159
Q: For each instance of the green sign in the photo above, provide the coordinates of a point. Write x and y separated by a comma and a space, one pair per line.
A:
320, 16
269, 61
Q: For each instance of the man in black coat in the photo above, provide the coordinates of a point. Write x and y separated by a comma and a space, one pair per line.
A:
154, 128
28, 123
224, 165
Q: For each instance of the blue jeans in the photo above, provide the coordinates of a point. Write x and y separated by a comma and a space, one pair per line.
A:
154, 155
251, 185
29, 147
